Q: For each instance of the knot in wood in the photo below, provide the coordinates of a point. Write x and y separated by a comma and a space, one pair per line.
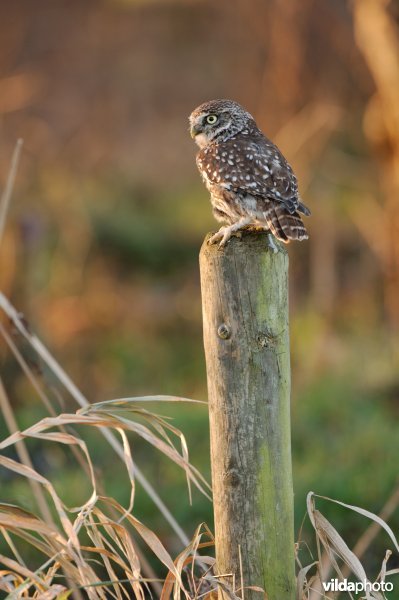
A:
232, 477
266, 339
224, 331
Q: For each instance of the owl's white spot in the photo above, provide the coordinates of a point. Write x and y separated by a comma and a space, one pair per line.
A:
250, 156
215, 173
234, 178
248, 177
230, 162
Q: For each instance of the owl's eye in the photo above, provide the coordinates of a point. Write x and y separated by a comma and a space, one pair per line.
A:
211, 119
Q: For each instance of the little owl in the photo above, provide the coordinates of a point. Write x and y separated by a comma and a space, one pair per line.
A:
250, 182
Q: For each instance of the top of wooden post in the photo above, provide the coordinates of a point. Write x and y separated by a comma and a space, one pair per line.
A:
247, 241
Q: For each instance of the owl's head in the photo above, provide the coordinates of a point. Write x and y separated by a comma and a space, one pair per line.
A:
218, 121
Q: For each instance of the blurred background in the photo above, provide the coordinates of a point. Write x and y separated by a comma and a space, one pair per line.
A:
108, 215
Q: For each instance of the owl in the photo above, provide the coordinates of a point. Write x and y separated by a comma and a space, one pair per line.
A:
250, 182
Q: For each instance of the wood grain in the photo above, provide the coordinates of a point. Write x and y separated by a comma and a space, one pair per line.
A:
246, 338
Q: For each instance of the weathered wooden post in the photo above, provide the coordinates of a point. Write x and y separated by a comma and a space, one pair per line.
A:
246, 337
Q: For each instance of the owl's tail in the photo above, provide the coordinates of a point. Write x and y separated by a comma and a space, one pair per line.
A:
284, 225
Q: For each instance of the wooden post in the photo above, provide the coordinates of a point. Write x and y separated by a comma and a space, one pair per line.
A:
246, 337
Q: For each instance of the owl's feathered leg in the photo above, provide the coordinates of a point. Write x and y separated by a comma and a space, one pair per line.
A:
225, 233
271, 243
271, 239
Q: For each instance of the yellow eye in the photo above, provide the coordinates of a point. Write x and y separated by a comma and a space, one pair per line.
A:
211, 119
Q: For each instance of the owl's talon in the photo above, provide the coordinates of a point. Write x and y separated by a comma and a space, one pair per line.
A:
223, 235
213, 239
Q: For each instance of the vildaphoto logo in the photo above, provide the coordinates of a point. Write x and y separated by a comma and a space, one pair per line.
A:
335, 585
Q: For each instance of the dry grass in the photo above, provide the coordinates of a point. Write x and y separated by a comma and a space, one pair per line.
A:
78, 545
338, 556
70, 564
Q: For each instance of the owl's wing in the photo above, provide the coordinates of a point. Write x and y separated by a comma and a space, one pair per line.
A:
255, 166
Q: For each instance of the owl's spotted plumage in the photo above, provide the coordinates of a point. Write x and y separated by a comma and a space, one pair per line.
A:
250, 181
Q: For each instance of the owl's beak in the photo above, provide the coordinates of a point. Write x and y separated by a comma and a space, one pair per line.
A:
194, 130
